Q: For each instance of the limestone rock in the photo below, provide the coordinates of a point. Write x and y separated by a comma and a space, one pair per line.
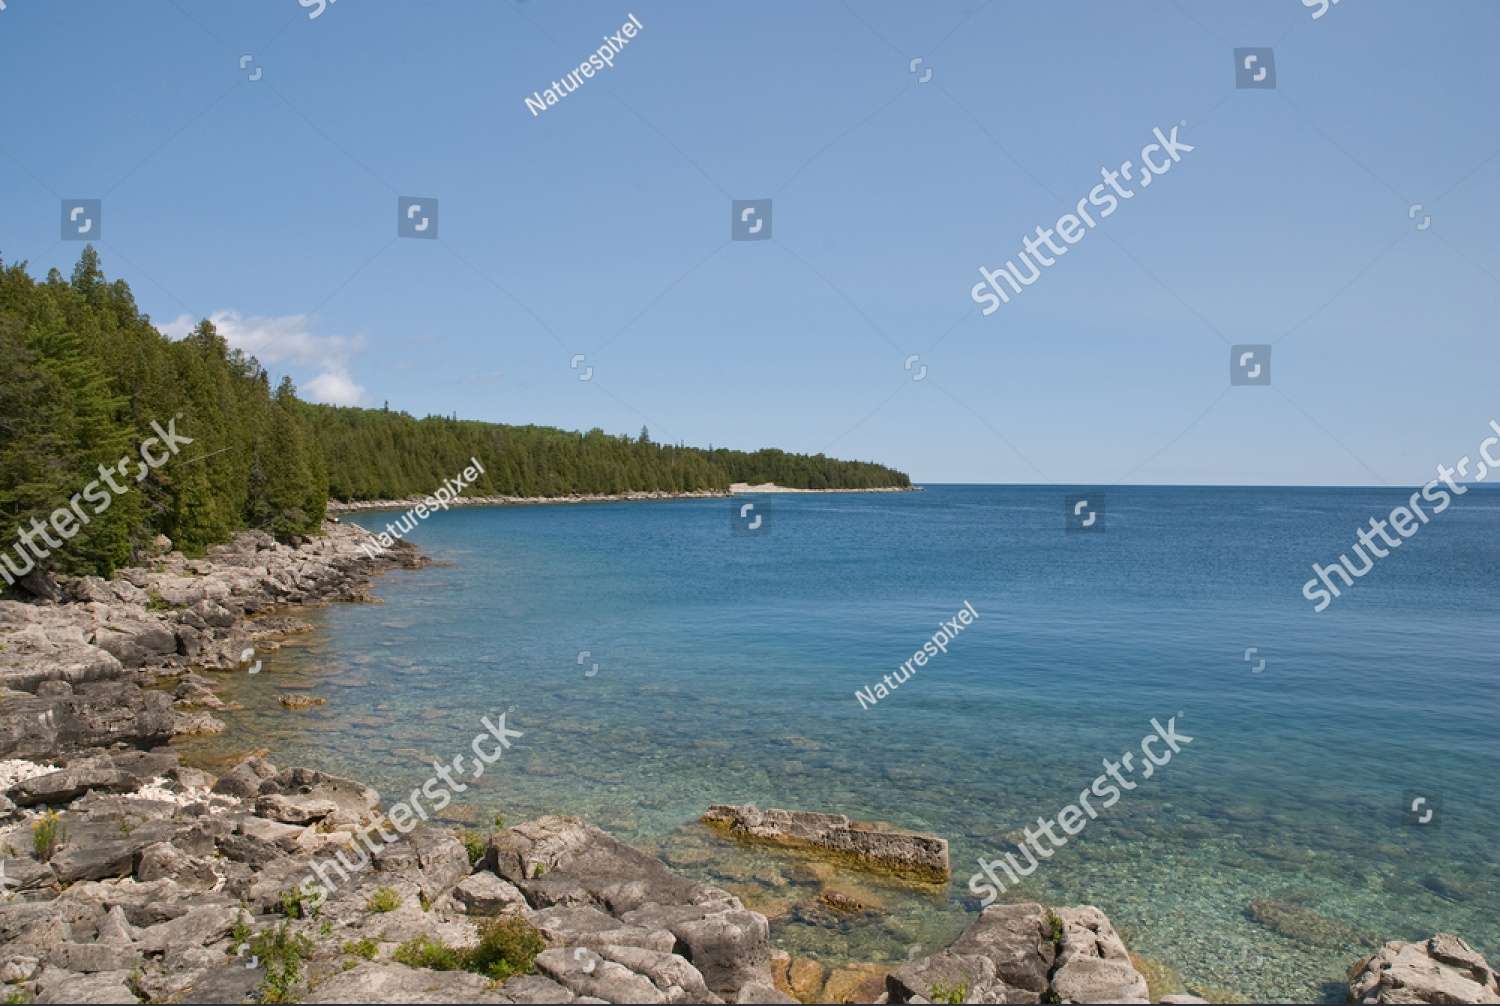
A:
914, 855
376, 982
486, 894
584, 972
1441, 969
1027, 953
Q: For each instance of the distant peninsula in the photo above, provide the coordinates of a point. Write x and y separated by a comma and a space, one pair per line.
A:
91, 383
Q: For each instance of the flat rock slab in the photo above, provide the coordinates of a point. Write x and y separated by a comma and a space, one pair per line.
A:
912, 855
397, 983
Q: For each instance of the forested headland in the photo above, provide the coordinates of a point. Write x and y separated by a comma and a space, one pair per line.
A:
85, 374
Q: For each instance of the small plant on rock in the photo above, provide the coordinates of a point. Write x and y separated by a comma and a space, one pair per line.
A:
427, 952
281, 953
1054, 927
297, 903
239, 934
365, 948
385, 899
506, 947
949, 993
47, 832
475, 844
537, 869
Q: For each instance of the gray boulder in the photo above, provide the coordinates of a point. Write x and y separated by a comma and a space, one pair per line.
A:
373, 982
1440, 969
1093, 964
245, 779
1028, 953
68, 987
353, 802
585, 973
729, 945
484, 893
583, 925
761, 992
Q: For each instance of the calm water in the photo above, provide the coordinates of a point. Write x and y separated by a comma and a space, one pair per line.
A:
728, 662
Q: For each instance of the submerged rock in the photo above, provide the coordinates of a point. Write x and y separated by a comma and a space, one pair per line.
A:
1304, 925
912, 855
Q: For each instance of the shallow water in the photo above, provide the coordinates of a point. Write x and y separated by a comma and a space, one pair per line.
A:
728, 664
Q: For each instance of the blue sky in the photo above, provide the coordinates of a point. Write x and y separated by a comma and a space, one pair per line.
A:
601, 226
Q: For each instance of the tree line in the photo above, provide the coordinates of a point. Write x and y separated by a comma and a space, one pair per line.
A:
86, 374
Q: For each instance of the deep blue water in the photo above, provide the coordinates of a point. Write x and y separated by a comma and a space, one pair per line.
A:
728, 664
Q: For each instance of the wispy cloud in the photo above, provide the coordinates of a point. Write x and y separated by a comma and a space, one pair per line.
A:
288, 339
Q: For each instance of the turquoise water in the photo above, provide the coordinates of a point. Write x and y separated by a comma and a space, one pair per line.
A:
728, 664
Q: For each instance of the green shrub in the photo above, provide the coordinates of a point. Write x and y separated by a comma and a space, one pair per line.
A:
949, 993
1054, 927
281, 953
385, 899
507, 947
475, 843
297, 903
239, 934
47, 832
426, 952
365, 948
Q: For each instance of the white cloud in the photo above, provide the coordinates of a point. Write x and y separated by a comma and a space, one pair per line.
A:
288, 339
335, 387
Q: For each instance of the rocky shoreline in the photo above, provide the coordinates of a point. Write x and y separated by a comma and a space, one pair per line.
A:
126, 876
739, 488
354, 506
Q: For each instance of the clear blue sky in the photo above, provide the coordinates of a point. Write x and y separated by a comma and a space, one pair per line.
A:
601, 226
